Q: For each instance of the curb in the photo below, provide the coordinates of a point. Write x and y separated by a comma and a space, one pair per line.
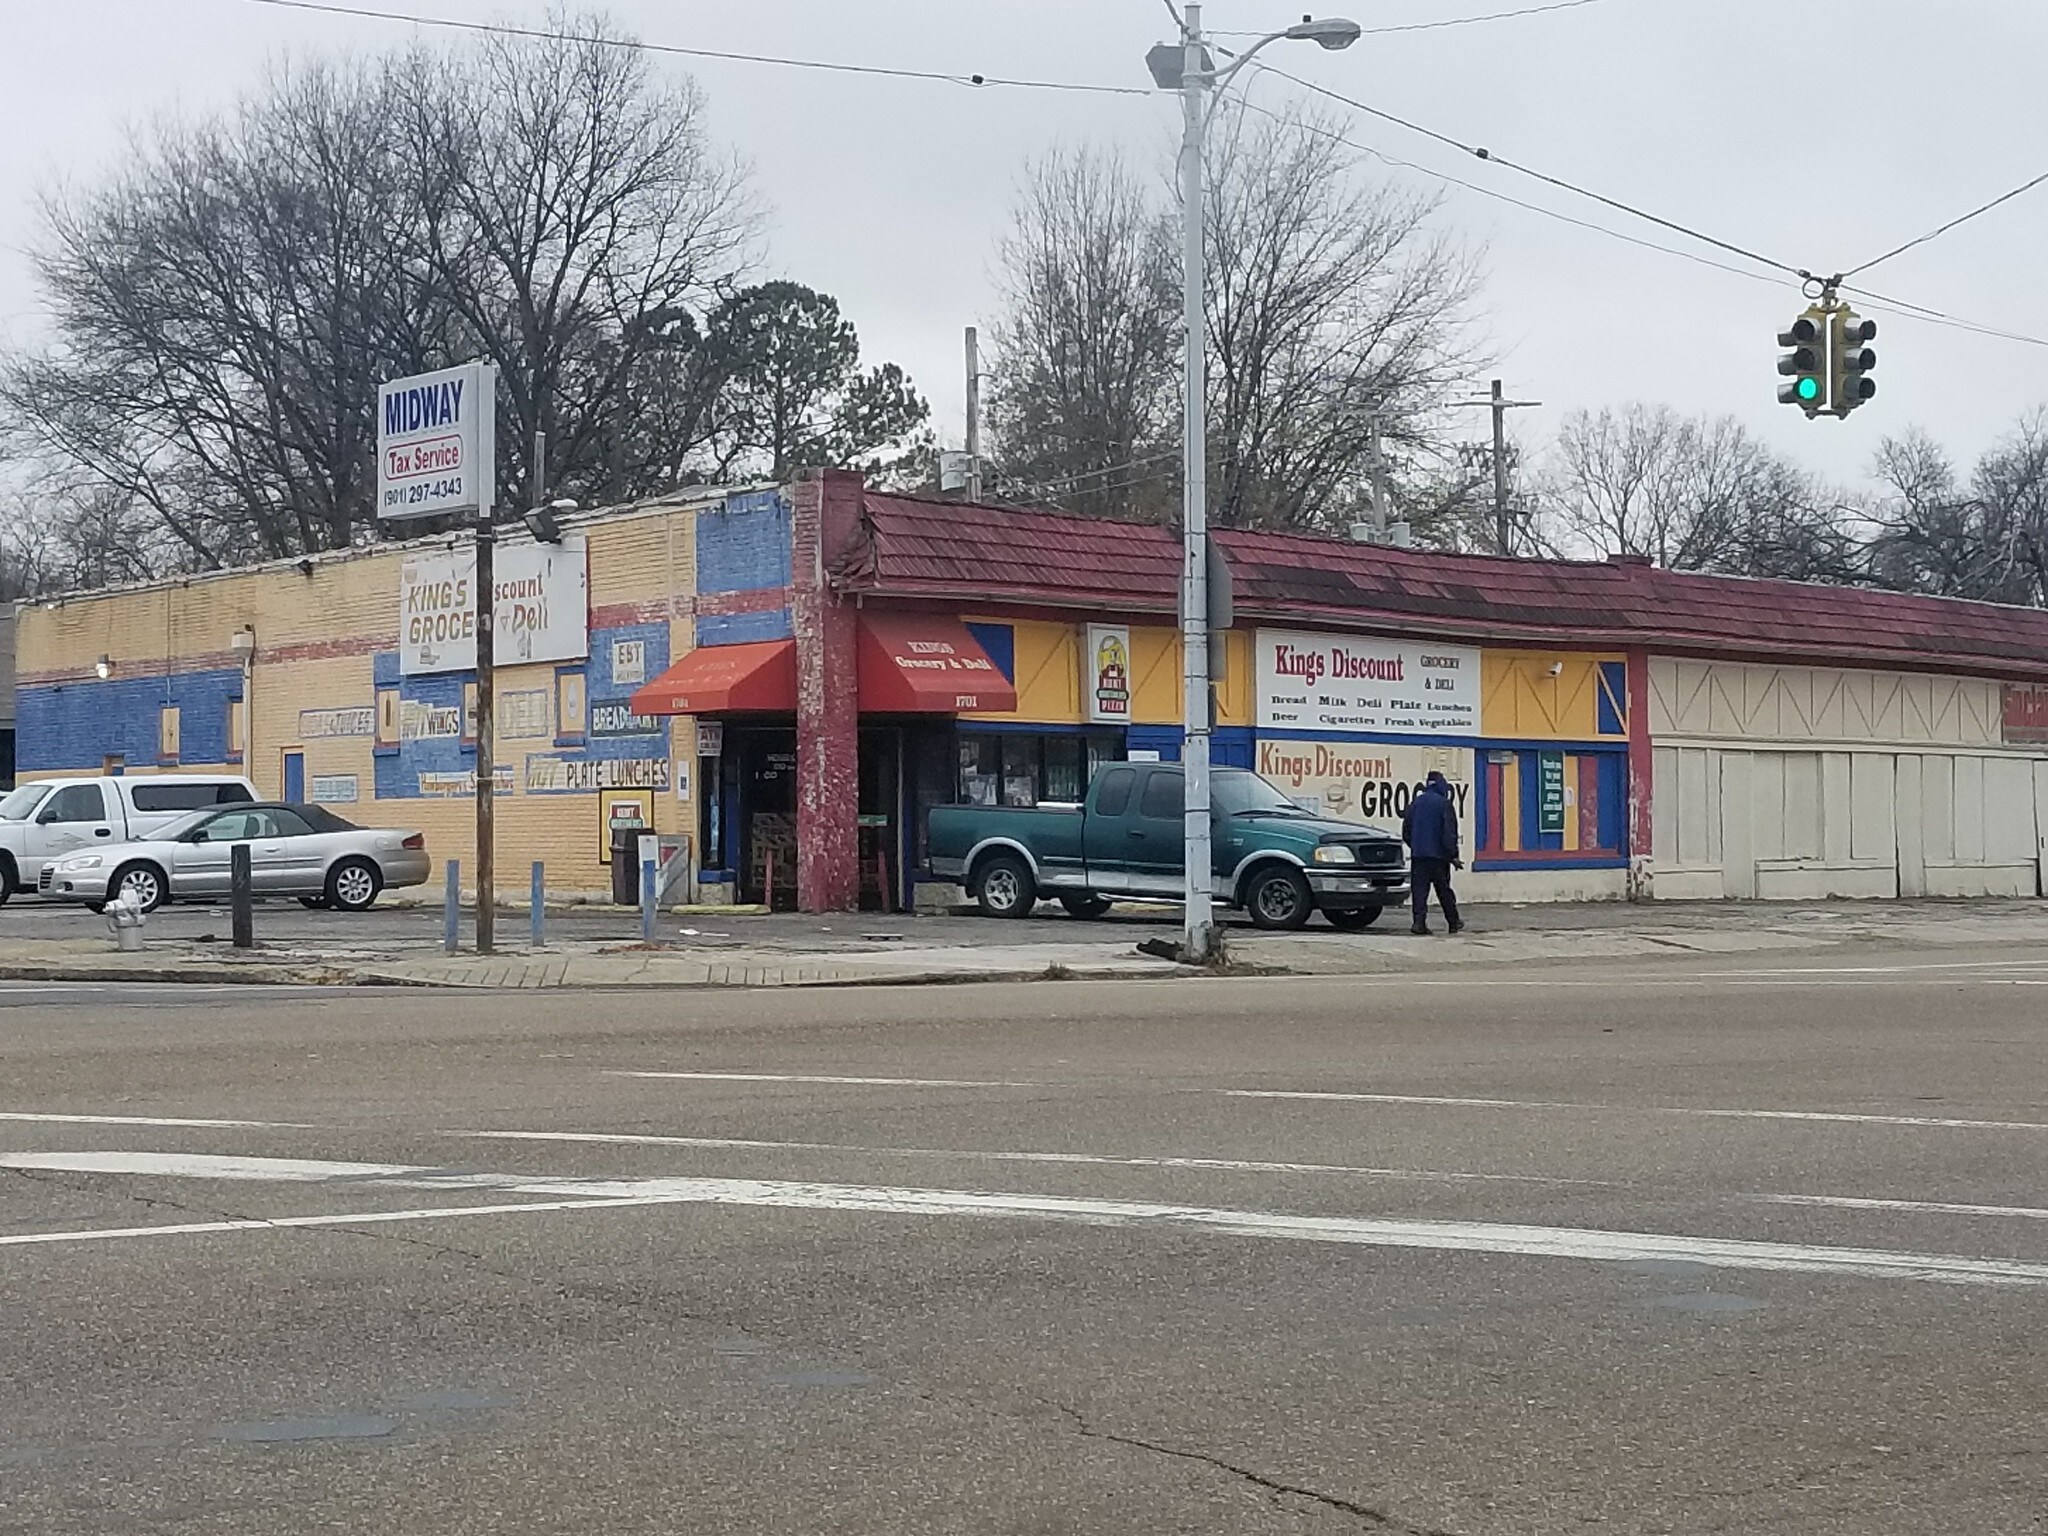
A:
254, 974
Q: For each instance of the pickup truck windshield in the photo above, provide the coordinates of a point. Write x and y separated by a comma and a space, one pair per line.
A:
19, 804
1237, 793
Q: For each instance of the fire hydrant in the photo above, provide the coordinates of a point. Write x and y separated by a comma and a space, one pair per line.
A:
125, 918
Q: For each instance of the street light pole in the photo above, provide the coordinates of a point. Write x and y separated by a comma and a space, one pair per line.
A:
1198, 936
1187, 70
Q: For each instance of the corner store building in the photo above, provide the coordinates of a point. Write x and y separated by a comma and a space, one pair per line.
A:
788, 677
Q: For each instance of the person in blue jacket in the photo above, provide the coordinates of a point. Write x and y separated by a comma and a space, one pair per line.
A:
1430, 829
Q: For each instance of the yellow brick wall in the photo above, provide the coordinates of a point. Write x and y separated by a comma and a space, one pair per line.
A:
316, 641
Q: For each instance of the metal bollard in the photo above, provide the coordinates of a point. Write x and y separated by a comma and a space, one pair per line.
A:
539, 898
451, 909
242, 896
648, 905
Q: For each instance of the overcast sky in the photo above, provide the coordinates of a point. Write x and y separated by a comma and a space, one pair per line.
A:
1737, 117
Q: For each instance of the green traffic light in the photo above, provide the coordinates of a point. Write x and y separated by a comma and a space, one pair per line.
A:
1809, 389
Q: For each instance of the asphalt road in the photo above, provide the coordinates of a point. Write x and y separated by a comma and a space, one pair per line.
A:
1745, 1246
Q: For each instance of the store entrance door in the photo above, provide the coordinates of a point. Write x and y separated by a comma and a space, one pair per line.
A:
881, 818
766, 760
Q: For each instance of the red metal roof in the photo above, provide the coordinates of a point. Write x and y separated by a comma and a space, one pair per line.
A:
912, 547
950, 549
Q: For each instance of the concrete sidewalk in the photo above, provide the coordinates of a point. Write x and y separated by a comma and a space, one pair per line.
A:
774, 956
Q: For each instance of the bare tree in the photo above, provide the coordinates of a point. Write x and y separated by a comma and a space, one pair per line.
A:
1329, 303
1083, 392
573, 206
1692, 495
1986, 539
225, 310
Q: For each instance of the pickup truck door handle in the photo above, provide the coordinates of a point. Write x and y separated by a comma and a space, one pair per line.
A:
102, 831
1134, 832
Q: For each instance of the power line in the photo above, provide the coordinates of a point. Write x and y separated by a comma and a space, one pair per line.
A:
503, 29
1480, 153
1503, 197
1951, 224
1935, 316
1903, 307
1073, 482
1453, 21
972, 80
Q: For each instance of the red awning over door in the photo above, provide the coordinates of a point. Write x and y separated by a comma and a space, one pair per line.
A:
916, 664
758, 677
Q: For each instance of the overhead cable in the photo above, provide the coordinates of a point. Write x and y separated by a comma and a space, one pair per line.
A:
503, 29
1941, 230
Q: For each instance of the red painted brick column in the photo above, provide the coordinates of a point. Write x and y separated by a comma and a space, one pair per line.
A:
825, 509
1641, 779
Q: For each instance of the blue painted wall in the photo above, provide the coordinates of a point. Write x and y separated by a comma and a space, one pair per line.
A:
738, 628
743, 544
399, 770
74, 727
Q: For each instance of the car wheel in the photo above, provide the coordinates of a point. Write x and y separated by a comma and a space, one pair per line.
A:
10, 879
1085, 906
314, 903
1278, 898
1356, 919
145, 882
1003, 887
353, 884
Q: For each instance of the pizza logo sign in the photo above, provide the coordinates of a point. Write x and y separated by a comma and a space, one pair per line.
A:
1112, 676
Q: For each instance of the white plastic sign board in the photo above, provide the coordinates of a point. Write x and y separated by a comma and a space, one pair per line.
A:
543, 607
1311, 682
437, 443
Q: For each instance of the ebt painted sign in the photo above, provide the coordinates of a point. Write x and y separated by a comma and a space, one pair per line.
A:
436, 443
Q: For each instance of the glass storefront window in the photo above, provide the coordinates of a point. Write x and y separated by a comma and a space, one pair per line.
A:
1025, 768
1020, 770
1063, 777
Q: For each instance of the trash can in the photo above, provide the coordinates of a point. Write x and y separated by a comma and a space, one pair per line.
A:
626, 864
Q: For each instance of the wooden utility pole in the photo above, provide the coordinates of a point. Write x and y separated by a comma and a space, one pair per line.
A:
1503, 524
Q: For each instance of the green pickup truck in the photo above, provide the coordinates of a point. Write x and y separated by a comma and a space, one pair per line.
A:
1273, 859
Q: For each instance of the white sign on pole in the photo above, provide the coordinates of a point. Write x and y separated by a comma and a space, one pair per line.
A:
1309, 682
437, 443
543, 607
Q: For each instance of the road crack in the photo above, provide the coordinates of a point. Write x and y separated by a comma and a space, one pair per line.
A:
1374, 1519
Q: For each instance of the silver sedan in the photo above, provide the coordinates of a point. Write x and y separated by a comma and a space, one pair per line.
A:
294, 850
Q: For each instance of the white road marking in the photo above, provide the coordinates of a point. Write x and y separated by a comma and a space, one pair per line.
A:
1638, 1109
200, 1165
1082, 1159
209, 1125
799, 1077
287, 1223
1932, 1207
1437, 1236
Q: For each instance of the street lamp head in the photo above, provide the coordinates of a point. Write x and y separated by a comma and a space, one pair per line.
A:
1331, 32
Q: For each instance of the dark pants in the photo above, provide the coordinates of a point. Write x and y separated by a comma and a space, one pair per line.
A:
1434, 874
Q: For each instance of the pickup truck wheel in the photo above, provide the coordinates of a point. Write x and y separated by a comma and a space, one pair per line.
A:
1085, 906
1278, 898
10, 878
1003, 886
1356, 919
145, 882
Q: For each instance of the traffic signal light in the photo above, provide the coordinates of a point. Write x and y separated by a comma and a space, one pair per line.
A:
1806, 365
1851, 384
